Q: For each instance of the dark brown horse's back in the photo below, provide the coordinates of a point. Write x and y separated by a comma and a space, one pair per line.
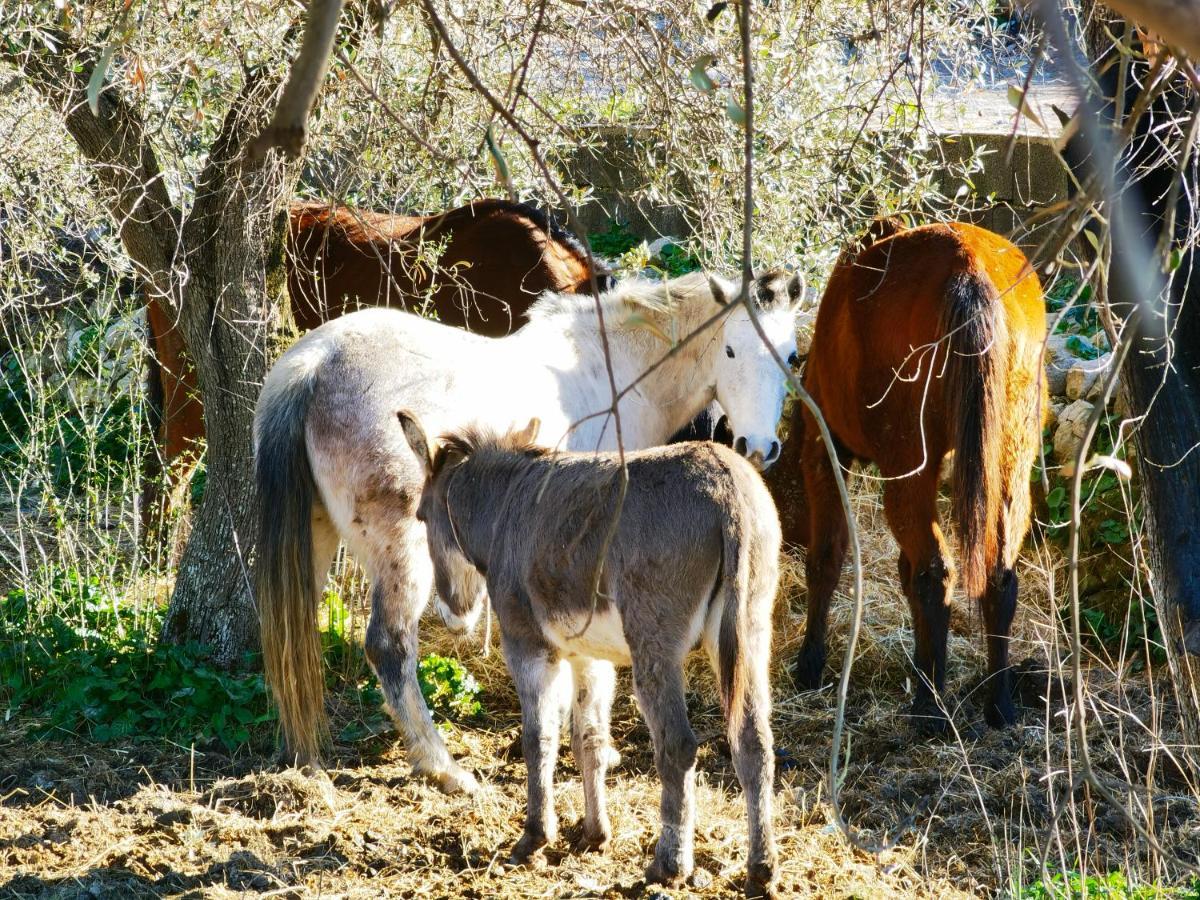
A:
478, 267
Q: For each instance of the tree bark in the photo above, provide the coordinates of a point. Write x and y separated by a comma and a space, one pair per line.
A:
1162, 371
221, 273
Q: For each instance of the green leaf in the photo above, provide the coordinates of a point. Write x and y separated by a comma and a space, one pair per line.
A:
1018, 101
1175, 260
699, 76
498, 161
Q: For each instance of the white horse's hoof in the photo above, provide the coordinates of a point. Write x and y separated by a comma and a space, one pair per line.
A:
612, 758
456, 781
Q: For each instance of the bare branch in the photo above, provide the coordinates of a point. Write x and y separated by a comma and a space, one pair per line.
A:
115, 140
288, 128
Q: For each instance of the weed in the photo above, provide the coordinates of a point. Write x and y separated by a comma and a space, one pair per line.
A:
448, 688
614, 241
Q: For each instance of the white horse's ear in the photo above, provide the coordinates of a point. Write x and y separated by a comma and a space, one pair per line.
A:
529, 435
798, 293
415, 435
720, 290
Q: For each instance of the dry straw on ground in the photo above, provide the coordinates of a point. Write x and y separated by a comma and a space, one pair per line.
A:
975, 809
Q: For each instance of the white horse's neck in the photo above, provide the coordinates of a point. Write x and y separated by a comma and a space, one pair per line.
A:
644, 322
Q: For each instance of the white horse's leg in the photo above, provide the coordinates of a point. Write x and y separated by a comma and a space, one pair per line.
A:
401, 581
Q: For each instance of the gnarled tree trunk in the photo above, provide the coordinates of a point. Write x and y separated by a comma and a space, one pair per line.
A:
220, 274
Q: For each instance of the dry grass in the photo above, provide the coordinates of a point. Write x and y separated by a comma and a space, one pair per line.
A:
974, 811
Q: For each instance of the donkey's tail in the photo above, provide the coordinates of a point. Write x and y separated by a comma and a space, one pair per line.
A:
285, 582
976, 331
733, 589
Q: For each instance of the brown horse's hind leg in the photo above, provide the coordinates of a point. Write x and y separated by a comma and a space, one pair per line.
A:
828, 539
999, 609
927, 576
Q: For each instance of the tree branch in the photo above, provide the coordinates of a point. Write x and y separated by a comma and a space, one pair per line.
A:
115, 140
288, 128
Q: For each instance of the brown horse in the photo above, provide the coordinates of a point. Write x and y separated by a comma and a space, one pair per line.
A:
927, 342
496, 258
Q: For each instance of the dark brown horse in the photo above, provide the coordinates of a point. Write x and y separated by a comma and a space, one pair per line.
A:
927, 342
495, 258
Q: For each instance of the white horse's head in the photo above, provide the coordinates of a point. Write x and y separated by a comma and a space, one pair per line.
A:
750, 385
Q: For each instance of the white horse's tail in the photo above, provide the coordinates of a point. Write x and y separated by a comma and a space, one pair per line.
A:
285, 580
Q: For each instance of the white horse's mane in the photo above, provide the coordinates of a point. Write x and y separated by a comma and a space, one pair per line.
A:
628, 296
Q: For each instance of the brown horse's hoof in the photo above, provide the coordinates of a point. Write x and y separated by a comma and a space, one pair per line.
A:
928, 718
809, 668
1000, 713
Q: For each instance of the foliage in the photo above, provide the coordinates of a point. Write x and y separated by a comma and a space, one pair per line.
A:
80, 662
448, 688
1109, 886
77, 660
614, 241
72, 420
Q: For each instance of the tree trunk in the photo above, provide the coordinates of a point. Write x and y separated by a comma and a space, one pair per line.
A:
229, 316
1162, 370
220, 273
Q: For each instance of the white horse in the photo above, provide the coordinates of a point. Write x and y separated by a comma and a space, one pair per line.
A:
332, 460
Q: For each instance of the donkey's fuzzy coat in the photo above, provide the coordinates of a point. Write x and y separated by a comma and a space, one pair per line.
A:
693, 559
331, 460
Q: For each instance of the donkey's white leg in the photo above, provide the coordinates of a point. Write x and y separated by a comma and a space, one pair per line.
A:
658, 680
401, 582
595, 681
538, 681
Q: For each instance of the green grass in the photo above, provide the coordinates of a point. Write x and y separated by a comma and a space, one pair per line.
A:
78, 662
1109, 886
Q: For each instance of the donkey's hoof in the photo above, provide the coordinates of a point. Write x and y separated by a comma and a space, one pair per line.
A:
456, 781
760, 882
808, 669
592, 841
659, 872
528, 851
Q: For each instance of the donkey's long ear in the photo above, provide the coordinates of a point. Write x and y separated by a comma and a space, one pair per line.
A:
415, 435
530, 433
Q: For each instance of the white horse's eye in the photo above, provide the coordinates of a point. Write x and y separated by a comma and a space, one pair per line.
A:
729, 351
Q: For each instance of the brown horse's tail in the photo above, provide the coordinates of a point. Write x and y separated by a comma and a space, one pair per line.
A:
285, 581
976, 331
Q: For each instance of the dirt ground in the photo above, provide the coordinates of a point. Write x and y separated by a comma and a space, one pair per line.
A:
972, 813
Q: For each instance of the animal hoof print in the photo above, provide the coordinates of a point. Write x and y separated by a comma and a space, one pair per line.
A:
457, 781
657, 873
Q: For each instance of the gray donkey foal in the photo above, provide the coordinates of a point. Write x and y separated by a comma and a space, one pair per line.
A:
694, 559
